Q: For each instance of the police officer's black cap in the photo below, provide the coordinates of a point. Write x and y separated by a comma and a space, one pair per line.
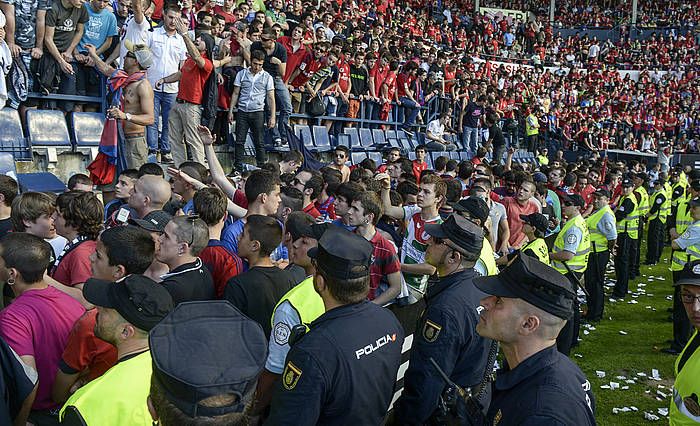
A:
534, 282
342, 254
140, 300
536, 220
690, 275
641, 175
627, 182
602, 192
695, 202
313, 230
574, 199
659, 182
475, 206
204, 349
675, 172
462, 232
154, 221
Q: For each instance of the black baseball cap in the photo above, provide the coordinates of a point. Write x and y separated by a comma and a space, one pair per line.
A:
313, 230
690, 275
574, 199
465, 234
342, 254
659, 182
475, 206
601, 192
154, 221
207, 348
140, 300
627, 182
534, 282
536, 220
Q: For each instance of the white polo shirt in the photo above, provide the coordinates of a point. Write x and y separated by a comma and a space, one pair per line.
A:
168, 53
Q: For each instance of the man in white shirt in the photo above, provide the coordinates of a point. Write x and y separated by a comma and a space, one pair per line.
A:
434, 135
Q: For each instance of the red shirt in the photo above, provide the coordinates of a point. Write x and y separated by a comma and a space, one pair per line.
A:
385, 261
74, 267
294, 58
378, 75
343, 76
312, 210
513, 212
228, 17
222, 264
193, 80
86, 351
418, 168
307, 67
402, 82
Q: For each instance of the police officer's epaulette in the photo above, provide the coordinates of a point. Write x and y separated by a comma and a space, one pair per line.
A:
298, 331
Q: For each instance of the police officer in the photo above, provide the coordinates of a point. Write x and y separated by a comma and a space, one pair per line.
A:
569, 256
657, 223
627, 218
206, 360
476, 210
685, 406
678, 189
535, 228
446, 331
690, 242
529, 304
343, 370
640, 181
127, 311
601, 226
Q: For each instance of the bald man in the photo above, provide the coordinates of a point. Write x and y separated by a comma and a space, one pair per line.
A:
150, 193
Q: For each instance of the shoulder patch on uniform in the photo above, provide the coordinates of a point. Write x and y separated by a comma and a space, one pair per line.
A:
290, 376
431, 331
281, 333
621, 208
571, 239
608, 225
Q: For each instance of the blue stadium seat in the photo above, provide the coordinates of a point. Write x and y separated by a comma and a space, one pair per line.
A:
344, 140
405, 144
464, 156
454, 155
390, 134
12, 139
435, 154
322, 141
366, 138
376, 156
357, 156
354, 138
47, 128
249, 148
40, 182
7, 165
87, 128
303, 132
378, 136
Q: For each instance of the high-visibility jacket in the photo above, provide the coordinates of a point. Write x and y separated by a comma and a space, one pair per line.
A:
487, 261
597, 237
679, 184
683, 221
305, 301
531, 125
666, 207
643, 205
693, 251
684, 408
580, 260
539, 247
630, 224
659, 213
118, 397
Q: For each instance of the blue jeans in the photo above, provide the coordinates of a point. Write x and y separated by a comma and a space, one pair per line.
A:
372, 112
284, 107
411, 112
162, 104
470, 138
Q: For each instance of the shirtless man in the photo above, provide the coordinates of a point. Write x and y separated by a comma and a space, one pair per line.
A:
137, 109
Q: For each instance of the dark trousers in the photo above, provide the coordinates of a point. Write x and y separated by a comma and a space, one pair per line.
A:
637, 252
655, 240
595, 277
681, 323
626, 247
255, 122
568, 336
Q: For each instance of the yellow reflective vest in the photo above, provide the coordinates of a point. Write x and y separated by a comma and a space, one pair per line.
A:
660, 212
630, 224
684, 409
539, 247
597, 237
643, 205
118, 397
487, 261
580, 260
666, 207
683, 221
305, 301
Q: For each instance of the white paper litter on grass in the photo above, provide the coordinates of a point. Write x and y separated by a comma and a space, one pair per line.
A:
655, 374
642, 374
661, 394
578, 355
600, 374
651, 417
615, 385
605, 386
586, 332
624, 333
662, 411
631, 381
620, 377
634, 408
625, 387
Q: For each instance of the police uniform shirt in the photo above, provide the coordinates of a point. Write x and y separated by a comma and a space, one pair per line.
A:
657, 205
690, 237
545, 389
447, 333
572, 238
606, 226
342, 372
625, 209
189, 282
284, 318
